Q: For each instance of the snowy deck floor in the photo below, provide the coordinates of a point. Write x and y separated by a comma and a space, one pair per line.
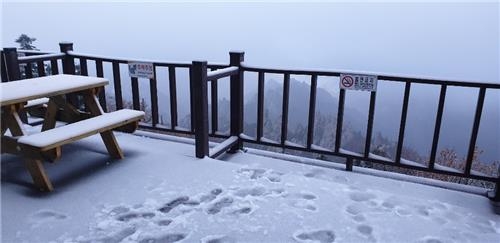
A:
161, 193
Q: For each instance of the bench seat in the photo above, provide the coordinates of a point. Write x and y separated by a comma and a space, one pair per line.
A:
59, 136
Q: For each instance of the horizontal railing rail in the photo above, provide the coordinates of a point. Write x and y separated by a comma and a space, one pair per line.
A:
42, 57
203, 74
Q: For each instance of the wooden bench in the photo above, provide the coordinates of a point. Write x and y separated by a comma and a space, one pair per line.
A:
46, 145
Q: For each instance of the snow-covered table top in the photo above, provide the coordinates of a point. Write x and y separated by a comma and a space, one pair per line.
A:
30, 89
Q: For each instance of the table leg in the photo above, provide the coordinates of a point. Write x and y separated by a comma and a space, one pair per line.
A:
37, 172
49, 120
108, 137
34, 166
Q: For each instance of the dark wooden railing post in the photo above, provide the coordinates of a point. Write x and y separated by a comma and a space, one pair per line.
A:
3, 69
13, 72
495, 196
11, 65
236, 86
68, 65
200, 99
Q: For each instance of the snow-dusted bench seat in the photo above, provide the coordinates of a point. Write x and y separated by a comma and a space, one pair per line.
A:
46, 145
56, 137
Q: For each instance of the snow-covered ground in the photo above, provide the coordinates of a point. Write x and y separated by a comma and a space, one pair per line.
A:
161, 193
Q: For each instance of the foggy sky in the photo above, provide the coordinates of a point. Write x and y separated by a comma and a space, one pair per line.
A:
443, 40
446, 40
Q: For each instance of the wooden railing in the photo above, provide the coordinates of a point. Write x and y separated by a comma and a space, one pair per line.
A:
200, 76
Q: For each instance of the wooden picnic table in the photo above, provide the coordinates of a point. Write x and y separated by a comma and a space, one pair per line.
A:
46, 145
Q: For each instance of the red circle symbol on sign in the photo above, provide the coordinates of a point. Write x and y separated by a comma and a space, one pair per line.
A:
347, 81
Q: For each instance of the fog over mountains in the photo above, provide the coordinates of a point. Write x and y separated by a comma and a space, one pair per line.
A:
455, 131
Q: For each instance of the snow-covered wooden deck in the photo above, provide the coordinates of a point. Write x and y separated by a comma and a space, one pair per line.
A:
161, 193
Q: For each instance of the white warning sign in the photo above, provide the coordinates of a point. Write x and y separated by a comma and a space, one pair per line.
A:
141, 70
358, 82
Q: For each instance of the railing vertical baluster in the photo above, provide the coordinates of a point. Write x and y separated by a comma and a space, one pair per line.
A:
118, 85
135, 93
68, 66
402, 124
494, 195
3, 67
284, 109
13, 71
369, 127
192, 99
214, 105
200, 97
41, 68
153, 89
236, 96
83, 67
312, 111
437, 126
340, 120
100, 74
54, 67
173, 96
260, 106
475, 130
28, 71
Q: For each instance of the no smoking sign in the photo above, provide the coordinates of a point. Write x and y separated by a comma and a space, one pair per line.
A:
358, 82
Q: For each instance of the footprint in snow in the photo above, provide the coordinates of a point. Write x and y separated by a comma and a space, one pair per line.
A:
253, 191
211, 196
302, 201
430, 239
254, 174
356, 209
130, 216
365, 230
243, 210
219, 205
48, 215
119, 210
320, 236
361, 196
167, 238
164, 222
184, 200
302, 195
218, 239
116, 236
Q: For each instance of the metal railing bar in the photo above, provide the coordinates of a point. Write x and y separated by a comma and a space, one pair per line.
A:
340, 118
117, 85
260, 106
214, 105
222, 73
402, 124
312, 111
284, 110
100, 73
173, 96
369, 126
475, 130
437, 126
45, 57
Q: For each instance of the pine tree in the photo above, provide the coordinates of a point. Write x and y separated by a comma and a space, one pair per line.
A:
26, 42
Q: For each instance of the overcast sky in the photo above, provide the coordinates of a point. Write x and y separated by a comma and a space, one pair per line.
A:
449, 40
